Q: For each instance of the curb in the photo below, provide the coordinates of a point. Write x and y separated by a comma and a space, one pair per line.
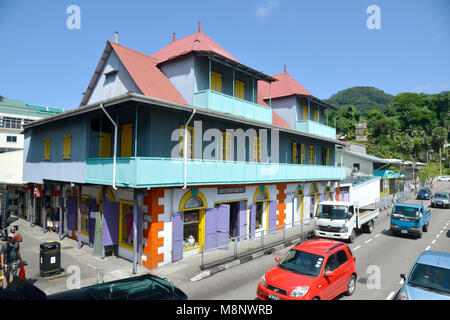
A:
209, 272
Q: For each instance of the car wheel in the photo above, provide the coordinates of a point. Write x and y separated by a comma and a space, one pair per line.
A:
419, 235
369, 226
351, 285
352, 236
425, 228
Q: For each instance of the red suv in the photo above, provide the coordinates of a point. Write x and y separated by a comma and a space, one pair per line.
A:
316, 269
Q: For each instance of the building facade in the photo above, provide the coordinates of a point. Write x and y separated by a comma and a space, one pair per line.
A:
180, 152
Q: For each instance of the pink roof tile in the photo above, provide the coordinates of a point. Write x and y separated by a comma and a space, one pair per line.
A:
278, 121
284, 87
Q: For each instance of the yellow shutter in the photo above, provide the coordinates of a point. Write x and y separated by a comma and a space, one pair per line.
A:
328, 156
47, 148
316, 115
190, 143
305, 112
216, 81
67, 146
257, 149
104, 145
126, 142
294, 152
225, 145
302, 156
239, 89
311, 154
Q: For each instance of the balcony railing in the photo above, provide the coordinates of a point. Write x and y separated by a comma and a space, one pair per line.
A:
220, 102
153, 172
316, 128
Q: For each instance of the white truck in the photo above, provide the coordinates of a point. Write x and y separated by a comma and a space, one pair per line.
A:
342, 220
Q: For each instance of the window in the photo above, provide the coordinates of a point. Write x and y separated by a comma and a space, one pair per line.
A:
256, 149
190, 229
67, 146
239, 89
341, 257
126, 145
294, 152
84, 214
104, 145
216, 81
47, 142
326, 156
316, 115
10, 122
302, 154
190, 142
11, 138
126, 223
332, 264
356, 166
259, 215
305, 112
225, 144
311, 155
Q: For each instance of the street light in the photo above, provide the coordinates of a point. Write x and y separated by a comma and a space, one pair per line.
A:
427, 154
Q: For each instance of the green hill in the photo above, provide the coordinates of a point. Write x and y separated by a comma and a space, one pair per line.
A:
363, 98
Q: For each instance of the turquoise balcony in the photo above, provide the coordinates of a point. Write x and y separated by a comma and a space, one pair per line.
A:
144, 172
316, 128
220, 102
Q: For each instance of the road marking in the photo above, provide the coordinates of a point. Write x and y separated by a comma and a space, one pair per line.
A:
432, 242
391, 295
357, 248
378, 235
438, 236
428, 248
368, 241
441, 231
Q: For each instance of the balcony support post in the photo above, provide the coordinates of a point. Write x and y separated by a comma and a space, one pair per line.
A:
115, 146
185, 146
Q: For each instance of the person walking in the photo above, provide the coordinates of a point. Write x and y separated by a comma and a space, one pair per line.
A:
10, 259
16, 234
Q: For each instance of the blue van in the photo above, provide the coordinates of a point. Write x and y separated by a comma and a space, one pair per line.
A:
409, 219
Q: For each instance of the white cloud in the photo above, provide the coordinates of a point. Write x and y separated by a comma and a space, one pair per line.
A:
266, 8
436, 87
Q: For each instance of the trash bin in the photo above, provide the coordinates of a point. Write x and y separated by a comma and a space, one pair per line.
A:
50, 258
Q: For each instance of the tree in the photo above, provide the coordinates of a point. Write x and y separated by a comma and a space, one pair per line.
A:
429, 172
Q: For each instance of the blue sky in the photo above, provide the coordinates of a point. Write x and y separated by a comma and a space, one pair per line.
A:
325, 44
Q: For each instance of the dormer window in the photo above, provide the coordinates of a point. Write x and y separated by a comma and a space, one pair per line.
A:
111, 73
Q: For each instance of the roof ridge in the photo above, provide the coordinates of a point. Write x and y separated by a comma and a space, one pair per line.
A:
112, 43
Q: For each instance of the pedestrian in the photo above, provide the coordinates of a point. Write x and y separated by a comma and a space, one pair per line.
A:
10, 259
17, 235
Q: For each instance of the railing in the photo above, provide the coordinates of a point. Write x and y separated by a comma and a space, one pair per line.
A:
255, 244
220, 102
316, 128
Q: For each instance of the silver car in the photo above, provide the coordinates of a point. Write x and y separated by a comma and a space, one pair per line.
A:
441, 199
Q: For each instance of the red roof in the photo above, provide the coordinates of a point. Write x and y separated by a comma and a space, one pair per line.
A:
284, 87
147, 76
195, 42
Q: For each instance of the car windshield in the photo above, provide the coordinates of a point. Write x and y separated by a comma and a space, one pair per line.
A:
302, 262
406, 212
441, 195
332, 212
423, 191
430, 278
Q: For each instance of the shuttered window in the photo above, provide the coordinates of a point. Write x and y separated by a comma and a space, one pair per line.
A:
311, 155
225, 144
305, 112
294, 152
302, 154
216, 81
190, 142
47, 142
257, 149
104, 145
67, 146
126, 145
239, 89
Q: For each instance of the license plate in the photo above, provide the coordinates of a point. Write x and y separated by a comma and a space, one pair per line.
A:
404, 231
439, 203
273, 297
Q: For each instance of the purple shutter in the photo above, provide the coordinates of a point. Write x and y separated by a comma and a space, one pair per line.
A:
110, 223
72, 213
211, 228
92, 207
252, 220
223, 225
177, 236
272, 216
242, 220
321, 197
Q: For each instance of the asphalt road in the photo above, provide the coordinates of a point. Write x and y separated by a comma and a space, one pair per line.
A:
380, 259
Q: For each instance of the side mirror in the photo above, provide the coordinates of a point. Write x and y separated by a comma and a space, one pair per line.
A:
329, 274
277, 259
349, 216
403, 276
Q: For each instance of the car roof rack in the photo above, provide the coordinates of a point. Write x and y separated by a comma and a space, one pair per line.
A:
335, 246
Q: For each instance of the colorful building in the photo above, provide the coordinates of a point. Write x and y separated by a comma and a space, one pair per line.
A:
181, 151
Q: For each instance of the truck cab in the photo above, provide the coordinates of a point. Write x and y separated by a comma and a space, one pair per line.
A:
341, 220
409, 219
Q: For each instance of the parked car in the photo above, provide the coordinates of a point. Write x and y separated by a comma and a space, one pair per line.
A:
317, 269
145, 287
443, 178
409, 219
424, 194
441, 199
428, 279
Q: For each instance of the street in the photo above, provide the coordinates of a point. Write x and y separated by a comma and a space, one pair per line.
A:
380, 259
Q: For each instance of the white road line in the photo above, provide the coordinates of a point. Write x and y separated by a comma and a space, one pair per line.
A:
391, 295
357, 248
432, 242
368, 241
438, 236
378, 235
428, 248
441, 231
